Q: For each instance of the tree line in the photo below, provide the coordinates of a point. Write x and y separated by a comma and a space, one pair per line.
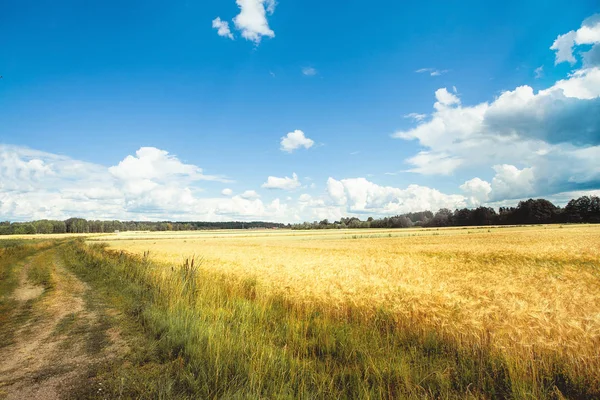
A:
81, 225
585, 209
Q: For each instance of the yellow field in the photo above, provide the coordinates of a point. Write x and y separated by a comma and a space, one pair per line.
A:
524, 290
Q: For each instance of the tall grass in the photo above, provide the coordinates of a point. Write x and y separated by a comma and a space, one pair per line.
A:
225, 337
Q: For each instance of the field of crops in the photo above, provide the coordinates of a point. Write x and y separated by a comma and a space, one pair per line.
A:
531, 294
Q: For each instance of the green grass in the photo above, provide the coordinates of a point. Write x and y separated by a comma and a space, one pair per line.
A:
39, 272
196, 334
13, 254
65, 324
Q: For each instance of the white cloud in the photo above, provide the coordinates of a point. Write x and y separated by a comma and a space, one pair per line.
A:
431, 71
539, 72
336, 191
295, 140
433, 163
309, 71
282, 183
37, 185
150, 163
152, 185
518, 127
583, 84
511, 182
222, 28
152, 168
445, 99
252, 19
415, 116
563, 45
250, 195
477, 190
587, 34
226, 192
358, 195
563, 170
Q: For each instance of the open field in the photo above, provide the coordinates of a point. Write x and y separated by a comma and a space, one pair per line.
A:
525, 291
490, 313
523, 286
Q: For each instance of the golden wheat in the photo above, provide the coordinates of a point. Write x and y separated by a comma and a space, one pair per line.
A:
524, 291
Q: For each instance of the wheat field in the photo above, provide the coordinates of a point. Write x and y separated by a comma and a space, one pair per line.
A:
532, 294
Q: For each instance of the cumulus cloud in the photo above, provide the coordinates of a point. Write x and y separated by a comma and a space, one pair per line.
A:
150, 185
336, 191
37, 185
358, 195
511, 182
250, 195
222, 28
517, 127
286, 183
309, 71
252, 19
444, 99
564, 169
152, 168
295, 140
150, 163
569, 111
477, 191
155, 185
226, 192
587, 34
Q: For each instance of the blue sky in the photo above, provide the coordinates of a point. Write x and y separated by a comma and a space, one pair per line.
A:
150, 112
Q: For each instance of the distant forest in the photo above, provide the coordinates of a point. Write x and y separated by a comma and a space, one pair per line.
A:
80, 225
585, 209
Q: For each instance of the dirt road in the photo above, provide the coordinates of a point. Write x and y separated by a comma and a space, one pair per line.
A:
58, 334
